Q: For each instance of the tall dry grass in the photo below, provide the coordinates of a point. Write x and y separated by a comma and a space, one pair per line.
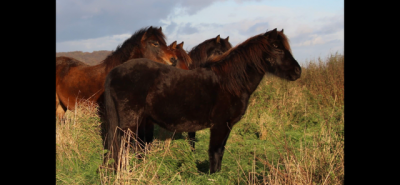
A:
313, 106
292, 133
325, 78
78, 145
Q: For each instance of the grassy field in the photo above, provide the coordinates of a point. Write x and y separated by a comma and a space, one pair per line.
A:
292, 133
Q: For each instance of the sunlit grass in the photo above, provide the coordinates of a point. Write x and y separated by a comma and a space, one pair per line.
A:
292, 133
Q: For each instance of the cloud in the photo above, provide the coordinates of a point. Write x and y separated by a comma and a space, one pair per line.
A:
331, 24
255, 29
242, 1
77, 19
193, 6
329, 29
170, 28
187, 29
87, 25
315, 39
102, 43
312, 52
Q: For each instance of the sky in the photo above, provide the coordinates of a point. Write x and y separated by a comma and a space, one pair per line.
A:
315, 28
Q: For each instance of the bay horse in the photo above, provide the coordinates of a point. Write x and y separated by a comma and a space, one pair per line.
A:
214, 96
75, 79
184, 60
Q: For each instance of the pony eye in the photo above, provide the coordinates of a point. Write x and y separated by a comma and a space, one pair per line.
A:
155, 43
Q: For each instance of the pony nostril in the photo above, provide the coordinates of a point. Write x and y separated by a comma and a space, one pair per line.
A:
297, 70
173, 61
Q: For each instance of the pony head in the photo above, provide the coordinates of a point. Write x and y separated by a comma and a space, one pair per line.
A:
184, 61
280, 59
153, 47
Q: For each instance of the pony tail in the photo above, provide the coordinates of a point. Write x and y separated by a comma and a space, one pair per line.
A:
113, 135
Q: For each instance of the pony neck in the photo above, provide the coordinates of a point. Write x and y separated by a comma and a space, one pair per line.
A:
241, 68
198, 55
254, 79
118, 57
242, 81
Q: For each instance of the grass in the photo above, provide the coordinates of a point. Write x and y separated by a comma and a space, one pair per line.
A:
292, 133
78, 147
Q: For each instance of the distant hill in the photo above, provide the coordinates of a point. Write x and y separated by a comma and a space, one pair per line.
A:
92, 58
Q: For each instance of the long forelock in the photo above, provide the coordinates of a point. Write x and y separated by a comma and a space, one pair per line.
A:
198, 53
285, 41
123, 51
231, 65
158, 35
226, 43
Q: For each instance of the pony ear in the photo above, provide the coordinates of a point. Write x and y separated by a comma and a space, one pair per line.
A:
173, 45
180, 45
144, 37
227, 39
282, 30
272, 34
218, 39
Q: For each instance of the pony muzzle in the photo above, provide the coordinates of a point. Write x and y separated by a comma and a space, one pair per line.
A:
297, 70
296, 75
174, 61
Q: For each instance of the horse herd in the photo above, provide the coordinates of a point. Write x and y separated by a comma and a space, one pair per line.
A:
145, 82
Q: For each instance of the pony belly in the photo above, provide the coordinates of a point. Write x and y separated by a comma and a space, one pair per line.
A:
184, 126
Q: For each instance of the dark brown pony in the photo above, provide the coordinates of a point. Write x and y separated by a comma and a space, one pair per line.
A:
214, 96
77, 80
145, 133
203, 51
207, 49
200, 54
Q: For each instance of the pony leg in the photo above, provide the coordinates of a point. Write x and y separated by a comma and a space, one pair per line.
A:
57, 101
141, 131
117, 140
101, 112
192, 136
60, 110
146, 132
149, 131
219, 136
